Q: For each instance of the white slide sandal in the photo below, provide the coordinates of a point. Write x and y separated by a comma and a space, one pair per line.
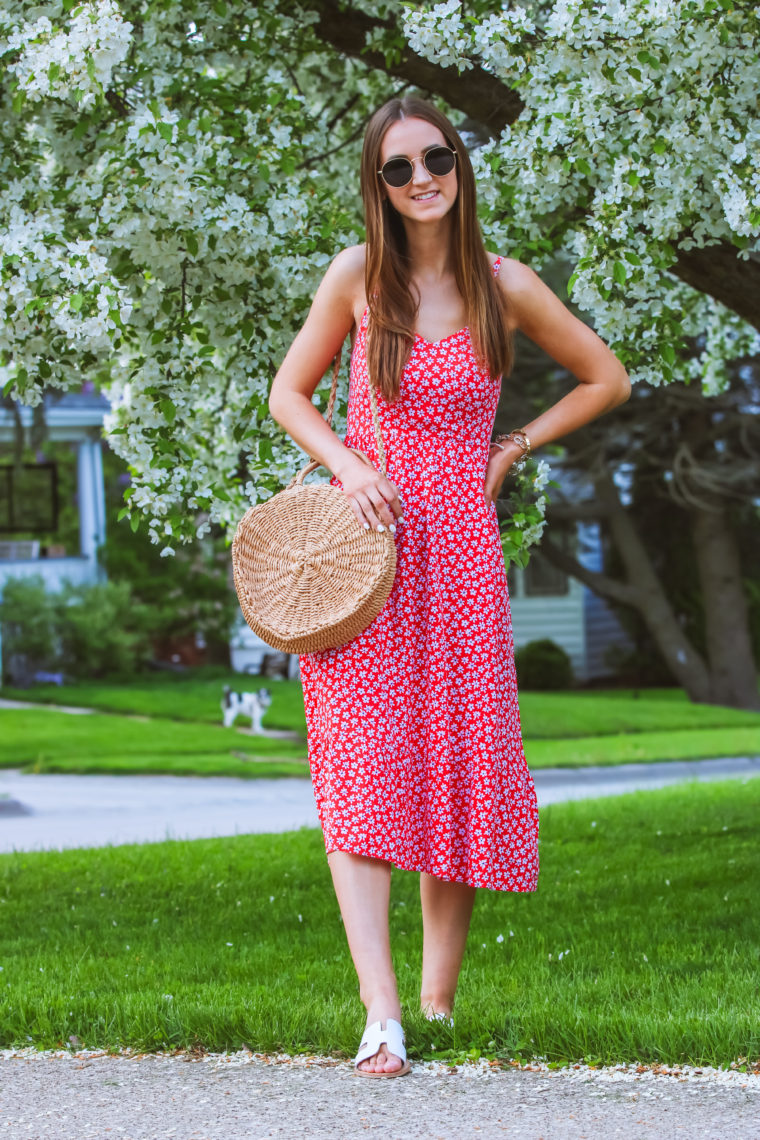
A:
374, 1037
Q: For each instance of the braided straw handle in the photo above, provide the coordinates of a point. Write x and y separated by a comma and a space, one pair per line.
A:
315, 463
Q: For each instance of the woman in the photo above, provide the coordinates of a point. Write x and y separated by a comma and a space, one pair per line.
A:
414, 733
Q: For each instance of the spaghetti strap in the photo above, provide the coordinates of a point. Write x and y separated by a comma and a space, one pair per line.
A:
497, 266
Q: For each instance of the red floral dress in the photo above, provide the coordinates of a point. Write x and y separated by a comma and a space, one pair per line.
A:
414, 738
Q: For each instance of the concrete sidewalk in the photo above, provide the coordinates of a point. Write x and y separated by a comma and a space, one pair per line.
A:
57, 811
249, 1097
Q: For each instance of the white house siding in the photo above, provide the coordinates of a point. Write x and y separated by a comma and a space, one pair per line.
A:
53, 571
560, 618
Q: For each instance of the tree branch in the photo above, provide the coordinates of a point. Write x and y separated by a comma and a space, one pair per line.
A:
718, 271
600, 583
476, 92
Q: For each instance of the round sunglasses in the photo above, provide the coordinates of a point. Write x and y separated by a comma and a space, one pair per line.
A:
437, 160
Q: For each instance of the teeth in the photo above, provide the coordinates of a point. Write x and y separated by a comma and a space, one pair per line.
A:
424, 197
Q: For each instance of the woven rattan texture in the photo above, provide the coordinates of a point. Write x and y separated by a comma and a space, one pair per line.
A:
308, 575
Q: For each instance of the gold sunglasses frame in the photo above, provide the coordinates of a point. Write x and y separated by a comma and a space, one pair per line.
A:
435, 146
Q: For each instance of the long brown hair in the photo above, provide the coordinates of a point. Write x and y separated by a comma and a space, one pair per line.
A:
392, 307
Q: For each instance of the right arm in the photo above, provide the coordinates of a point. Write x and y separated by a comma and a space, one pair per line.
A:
374, 499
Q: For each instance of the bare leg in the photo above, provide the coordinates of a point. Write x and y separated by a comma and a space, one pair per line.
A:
446, 913
362, 886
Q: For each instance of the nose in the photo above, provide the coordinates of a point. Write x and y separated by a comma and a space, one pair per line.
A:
420, 173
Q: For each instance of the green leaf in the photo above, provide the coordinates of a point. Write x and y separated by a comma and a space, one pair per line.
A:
18, 100
659, 146
165, 130
620, 273
76, 302
134, 522
122, 514
191, 242
632, 257
220, 493
668, 353
582, 165
169, 410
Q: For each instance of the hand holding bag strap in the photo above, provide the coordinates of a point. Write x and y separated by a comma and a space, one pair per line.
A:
315, 463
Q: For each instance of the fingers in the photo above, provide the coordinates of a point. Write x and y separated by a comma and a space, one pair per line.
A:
377, 512
374, 499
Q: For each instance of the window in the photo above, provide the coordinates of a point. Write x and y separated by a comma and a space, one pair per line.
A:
29, 498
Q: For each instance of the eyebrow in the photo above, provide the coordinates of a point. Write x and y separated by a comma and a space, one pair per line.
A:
428, 147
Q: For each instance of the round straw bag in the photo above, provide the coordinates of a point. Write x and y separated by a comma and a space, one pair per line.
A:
308, 575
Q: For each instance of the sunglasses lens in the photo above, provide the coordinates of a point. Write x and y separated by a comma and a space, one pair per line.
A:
397, 171
440, 161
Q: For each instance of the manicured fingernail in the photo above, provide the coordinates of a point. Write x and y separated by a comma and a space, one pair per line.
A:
380, 526
392, 528
365, 525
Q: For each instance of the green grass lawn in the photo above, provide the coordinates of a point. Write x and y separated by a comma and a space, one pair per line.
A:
193, 696
641, 943
184, 735
43, 741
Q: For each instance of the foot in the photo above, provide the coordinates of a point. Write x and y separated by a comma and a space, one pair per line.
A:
383, 1061
437, 1011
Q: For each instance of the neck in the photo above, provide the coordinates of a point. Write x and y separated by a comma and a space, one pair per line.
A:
429, 249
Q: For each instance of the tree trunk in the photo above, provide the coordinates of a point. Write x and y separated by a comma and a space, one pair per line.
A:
683, 660
642, 590
733, 669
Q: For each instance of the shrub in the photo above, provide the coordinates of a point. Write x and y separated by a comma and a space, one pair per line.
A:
83, 631
543, 664
28, 624
101, 630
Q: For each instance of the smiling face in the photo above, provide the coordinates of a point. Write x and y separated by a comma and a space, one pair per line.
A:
427, 197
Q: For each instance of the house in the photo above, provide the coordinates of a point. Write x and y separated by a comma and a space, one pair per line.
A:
75, 418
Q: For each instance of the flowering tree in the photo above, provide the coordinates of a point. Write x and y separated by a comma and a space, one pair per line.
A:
176, 177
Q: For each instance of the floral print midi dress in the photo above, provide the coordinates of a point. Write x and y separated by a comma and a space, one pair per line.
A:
414, 738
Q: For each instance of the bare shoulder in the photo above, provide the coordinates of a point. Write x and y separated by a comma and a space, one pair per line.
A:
516, 278
526, 293
347, 267
344, 281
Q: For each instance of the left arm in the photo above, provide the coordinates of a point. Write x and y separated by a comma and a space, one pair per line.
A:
602, 381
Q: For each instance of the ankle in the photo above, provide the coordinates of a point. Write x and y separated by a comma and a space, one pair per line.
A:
382, 1004
436, 1003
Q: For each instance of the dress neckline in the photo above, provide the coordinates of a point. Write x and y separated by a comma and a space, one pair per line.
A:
435, 343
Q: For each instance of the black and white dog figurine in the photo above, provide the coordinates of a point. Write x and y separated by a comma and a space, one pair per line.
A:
253, 704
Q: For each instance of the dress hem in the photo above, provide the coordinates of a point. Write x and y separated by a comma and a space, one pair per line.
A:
403, 865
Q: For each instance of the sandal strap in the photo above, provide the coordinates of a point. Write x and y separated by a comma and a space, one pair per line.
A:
375, 1035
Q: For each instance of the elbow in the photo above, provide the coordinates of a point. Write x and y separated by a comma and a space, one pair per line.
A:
273, 404
622, 388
